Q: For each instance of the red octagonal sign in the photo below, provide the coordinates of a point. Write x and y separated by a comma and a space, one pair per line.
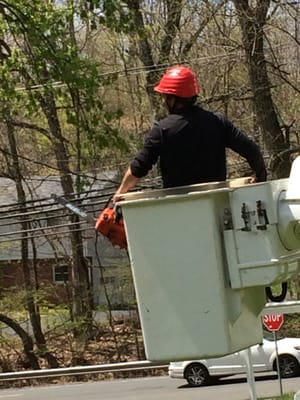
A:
273, 322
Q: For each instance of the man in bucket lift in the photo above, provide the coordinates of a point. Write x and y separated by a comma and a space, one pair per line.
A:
190, 142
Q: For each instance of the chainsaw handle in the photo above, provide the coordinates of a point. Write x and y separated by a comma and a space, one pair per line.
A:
118, 212
117, 208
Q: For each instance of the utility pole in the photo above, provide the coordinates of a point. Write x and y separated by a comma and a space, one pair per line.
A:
297, 39
296, 5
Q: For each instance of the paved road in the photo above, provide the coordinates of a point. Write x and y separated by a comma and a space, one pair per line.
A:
161, 388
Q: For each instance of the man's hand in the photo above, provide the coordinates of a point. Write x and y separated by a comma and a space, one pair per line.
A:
252, 179
117, 197
128, 182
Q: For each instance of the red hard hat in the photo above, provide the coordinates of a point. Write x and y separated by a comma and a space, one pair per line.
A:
179, 81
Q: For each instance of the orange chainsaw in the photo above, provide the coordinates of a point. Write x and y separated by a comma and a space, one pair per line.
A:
109, 222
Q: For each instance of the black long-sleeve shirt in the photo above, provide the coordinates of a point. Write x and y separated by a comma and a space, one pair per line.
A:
191, 146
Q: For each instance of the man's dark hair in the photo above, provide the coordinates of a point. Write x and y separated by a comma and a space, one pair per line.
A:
187, 101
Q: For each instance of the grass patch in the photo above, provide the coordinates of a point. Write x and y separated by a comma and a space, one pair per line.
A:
286, 396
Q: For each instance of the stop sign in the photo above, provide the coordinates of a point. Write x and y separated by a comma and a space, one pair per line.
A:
273, 322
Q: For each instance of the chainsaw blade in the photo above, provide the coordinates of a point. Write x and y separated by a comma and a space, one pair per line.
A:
74, 209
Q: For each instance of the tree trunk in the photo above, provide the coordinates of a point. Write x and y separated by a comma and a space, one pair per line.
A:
82, 305
145, 55
26, 340
33, 310
252, 21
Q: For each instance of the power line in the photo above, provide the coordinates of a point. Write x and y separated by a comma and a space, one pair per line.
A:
135, 70
19, 217
233, 53
49, 211
44, 228
46, 234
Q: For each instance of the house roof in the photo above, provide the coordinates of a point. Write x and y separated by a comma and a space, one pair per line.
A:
46, 215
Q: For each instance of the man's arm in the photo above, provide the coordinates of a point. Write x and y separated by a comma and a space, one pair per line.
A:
247, 148
128, 182
142, 162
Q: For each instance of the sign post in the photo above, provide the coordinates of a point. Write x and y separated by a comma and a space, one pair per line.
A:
246, 354
273, 322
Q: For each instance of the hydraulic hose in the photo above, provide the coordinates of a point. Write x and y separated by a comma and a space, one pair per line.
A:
277, 298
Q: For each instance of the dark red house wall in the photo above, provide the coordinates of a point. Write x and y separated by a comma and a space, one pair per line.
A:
11, 277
